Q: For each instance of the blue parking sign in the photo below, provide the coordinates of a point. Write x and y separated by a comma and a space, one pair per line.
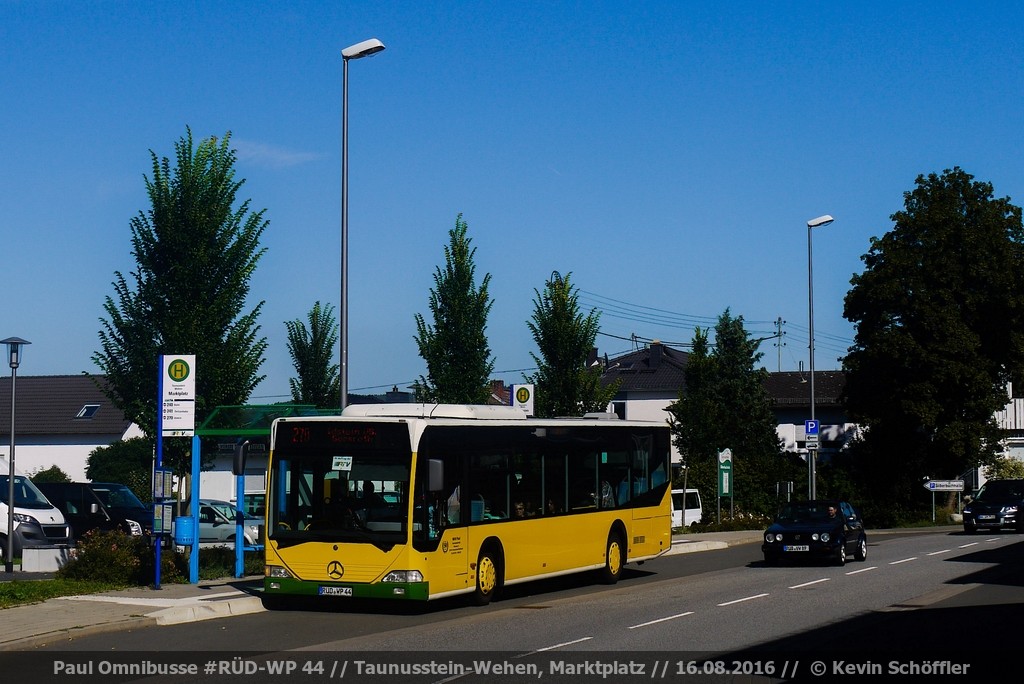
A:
811, 427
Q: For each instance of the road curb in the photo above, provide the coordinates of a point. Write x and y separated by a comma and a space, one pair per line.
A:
207, 611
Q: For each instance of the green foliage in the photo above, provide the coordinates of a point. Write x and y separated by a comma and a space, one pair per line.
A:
51, 474
219, 561
455, 347
128, 461
565, 385
115, 558
319, 381
939, 311
1005, 468
724, 404
737, 522
195, 252
19, 593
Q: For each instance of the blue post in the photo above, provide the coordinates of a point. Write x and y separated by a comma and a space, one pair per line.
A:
239, 529
159, 456
193, 560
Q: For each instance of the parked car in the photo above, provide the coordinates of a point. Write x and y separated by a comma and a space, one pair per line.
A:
99, 505
997, 504
831, 530
686, 507
217, 523
37, 522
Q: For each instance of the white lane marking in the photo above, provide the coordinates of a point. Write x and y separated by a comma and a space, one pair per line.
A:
905, 560
747, 598
939, 553
807, 584
664, 619
855, 572
566, 643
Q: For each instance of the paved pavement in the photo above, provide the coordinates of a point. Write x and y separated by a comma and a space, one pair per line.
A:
63, 619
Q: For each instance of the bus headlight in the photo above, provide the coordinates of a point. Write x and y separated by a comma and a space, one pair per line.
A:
276, 571
403, 576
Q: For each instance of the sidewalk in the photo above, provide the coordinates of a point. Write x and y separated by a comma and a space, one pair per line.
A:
63, 619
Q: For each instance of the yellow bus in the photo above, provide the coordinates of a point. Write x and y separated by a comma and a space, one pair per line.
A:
424, 501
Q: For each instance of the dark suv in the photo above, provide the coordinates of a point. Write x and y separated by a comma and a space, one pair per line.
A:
99, 505
997, 504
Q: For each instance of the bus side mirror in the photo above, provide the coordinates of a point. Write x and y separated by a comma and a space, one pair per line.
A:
241, 453
435, 474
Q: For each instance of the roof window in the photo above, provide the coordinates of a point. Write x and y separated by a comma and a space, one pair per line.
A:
88, 411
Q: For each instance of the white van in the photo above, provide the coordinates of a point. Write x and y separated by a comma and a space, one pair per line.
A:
37, 522
685, 501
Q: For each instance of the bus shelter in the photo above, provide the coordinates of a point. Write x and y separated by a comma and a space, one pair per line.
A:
222, 432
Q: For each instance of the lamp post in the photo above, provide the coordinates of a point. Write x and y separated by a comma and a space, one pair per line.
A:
812, 454
14, 345
357, 51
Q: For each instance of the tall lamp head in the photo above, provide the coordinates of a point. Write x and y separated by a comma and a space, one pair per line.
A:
14, 345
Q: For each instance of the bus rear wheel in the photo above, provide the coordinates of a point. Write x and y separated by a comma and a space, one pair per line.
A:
488, 574
614, 559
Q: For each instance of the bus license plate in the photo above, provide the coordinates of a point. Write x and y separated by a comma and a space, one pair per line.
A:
796, 547
335, 591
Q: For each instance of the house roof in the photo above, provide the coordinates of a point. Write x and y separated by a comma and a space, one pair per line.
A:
658, 368
792, 388
652, 369
59, 405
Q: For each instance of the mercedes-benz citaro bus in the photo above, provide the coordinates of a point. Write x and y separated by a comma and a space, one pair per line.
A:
424, 501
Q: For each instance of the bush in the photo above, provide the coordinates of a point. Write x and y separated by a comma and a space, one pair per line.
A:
219, 561
116, 558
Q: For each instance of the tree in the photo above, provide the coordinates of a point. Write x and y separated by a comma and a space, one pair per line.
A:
128, 461
939, 311
311, 349
51, 474
565, 385
725, 404
195, 253
455, 348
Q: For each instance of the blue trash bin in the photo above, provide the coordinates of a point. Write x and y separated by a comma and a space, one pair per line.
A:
183, 530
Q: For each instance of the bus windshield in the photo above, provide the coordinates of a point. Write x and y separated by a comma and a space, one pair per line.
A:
348, 486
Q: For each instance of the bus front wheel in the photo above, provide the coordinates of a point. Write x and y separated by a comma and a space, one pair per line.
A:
488, 573
614, 559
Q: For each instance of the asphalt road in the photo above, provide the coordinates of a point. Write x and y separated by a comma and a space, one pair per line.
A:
914, 593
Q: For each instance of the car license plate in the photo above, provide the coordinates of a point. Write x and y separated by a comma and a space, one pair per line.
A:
986, 517
335, 591
796, 547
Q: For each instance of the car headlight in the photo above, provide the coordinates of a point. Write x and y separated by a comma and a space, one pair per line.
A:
770, 538
403, 576
22, 518
134, 528
1009, 509
967, 511
825, 536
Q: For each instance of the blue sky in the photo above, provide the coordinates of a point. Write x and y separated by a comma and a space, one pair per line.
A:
666, 154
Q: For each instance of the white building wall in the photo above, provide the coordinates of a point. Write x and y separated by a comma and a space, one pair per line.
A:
69, 453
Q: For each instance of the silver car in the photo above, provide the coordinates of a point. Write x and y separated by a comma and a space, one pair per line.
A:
217, 523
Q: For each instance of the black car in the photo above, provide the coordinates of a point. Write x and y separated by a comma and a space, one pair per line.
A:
830, 530
99, 505
996, 505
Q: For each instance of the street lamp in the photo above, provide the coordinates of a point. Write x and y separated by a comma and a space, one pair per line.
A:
14, 345
812, 454
357, 51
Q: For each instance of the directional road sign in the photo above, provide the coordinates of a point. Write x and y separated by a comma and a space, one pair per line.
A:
945, 485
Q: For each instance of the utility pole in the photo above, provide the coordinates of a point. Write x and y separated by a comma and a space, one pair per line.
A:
779, 344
